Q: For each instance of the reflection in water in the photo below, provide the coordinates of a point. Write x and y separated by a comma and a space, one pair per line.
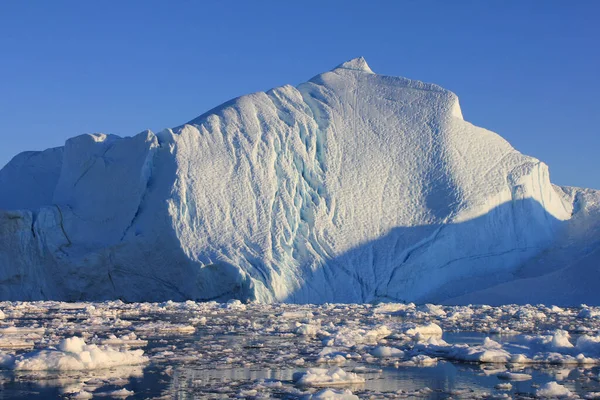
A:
442, 380
210, 350
53, 383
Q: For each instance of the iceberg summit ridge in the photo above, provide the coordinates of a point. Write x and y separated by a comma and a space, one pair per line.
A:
351, 187
356, 64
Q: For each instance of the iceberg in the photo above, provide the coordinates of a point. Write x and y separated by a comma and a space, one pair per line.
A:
351, 187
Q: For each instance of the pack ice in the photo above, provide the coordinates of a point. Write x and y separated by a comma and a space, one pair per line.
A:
351, 187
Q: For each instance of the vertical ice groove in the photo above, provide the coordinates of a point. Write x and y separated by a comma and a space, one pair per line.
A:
146, 179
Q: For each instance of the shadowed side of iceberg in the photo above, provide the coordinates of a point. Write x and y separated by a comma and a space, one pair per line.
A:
109, 233
432, 263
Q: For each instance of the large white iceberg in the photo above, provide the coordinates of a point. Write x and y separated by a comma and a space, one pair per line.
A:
352, 187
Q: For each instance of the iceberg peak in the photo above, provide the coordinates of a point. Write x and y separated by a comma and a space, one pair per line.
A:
356, 64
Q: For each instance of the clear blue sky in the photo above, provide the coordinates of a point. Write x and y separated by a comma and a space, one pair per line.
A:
528, 70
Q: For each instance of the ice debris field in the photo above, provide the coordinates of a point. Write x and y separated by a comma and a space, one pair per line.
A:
330, 351
351, 187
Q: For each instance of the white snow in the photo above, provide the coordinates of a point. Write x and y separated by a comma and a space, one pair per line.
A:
351, 187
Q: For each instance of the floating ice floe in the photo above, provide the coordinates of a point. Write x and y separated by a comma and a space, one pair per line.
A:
423, 361
163, 328
307, 329
22, 330
331, 394
514, 376
13, 337
73, 354
528, 349
319, 377
130, 340
553, 390
348, 337
503, 386
119, 393
386, 351
283, 338
15, 343
422, 332
81, 395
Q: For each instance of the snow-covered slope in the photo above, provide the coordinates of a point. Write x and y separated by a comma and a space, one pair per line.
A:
351, 187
